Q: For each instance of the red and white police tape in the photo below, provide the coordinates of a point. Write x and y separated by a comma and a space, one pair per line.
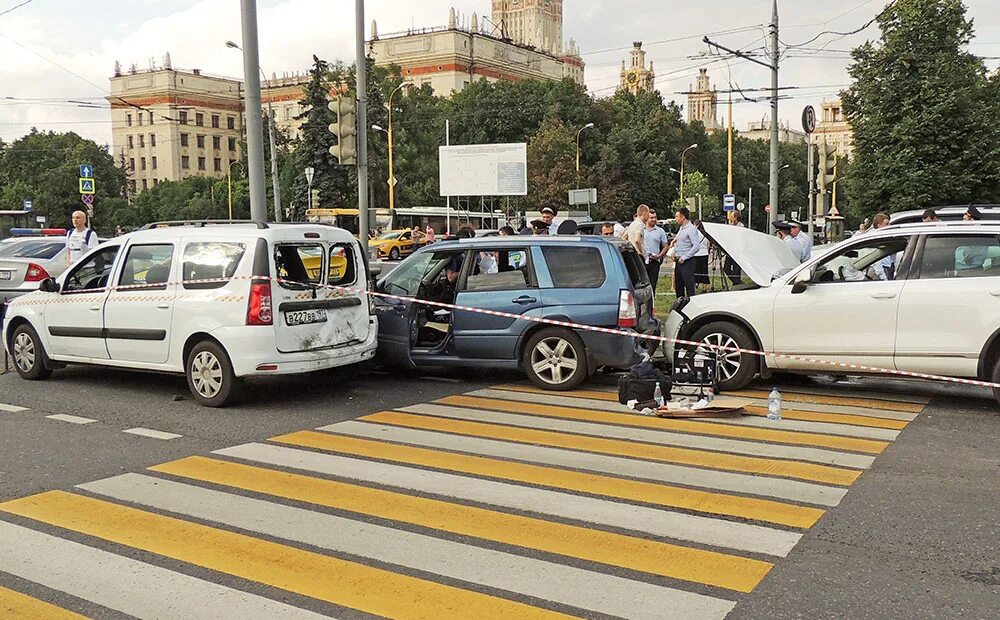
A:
859, 368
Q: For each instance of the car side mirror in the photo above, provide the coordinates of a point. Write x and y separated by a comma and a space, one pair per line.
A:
802, 282
48, 285
375, 269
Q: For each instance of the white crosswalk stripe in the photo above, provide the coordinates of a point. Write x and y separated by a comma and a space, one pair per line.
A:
501, 503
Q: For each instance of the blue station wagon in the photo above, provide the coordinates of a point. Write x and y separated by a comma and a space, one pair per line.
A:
595, 281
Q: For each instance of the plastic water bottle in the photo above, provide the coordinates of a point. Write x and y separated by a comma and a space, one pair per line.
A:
658, 395
774, 405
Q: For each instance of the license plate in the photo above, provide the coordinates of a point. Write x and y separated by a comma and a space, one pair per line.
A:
5, 275
305, 317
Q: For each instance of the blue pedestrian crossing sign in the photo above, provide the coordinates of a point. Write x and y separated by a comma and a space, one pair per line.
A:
86, 186
86, 171
27, 205
729, 202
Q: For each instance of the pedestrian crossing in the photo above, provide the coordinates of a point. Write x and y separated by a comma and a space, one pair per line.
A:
500, 502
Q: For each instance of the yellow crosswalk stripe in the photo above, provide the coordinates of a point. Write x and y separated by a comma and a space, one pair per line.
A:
851, 401
668, 560
836, 418
684, 456
17, 606
851, 444
650, 493
326, 578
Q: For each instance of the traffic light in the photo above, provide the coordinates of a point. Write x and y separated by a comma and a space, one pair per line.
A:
345, 128
827, 167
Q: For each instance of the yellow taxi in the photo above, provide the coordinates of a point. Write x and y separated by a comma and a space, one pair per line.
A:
397, 243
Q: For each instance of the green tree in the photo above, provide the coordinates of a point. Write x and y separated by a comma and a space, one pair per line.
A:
551, 163
331, 179
925, 123
44, 166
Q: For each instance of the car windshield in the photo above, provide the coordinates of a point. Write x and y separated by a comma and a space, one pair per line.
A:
390, 236
33, 249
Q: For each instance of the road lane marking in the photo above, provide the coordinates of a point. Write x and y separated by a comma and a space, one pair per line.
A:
699, 427
132, 587
566, 585
16, 605
879, 434
12, 408
851, 401
641, 519
682, 456
827, 457
652, 471
341, 582
72, 419
800, 407
635, 490
148, 432
664, 559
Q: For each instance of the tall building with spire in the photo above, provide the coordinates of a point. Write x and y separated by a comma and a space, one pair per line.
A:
703, 103
523, 41
536, 23
635, 77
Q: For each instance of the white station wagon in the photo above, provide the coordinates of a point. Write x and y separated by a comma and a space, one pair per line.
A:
216, 301
939, 315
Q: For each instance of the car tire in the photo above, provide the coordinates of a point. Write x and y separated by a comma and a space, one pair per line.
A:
555, 359
394, 254
210, 375
736, 370
28, 355
995, 378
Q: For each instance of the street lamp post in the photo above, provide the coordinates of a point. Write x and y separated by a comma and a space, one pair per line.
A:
580, 131
391, 193
230, 175
392, 173
310, 172
683, 153
278, 213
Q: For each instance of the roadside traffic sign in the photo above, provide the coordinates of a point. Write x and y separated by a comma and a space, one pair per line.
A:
88, 199
86, 186
27, 205
40, 219
86, 171
729, 202
741, 206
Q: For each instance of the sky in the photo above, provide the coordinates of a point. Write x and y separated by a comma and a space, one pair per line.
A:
56, 51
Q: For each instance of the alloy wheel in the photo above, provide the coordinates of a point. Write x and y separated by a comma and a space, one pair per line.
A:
554, 360
729, 359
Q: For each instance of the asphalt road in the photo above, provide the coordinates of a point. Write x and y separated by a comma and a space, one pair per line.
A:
917, 535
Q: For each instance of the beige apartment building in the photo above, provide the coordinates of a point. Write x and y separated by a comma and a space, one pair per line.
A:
449, 58
703, 103
761, 130
169, 124
833, 128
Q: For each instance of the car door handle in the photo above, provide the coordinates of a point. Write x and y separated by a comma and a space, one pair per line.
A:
163, 306
995, 293
524, 300
95, 308
883, 295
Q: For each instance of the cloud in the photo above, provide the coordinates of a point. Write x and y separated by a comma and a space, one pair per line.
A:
291, 31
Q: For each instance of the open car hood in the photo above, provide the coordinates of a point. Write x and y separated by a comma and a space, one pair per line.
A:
761, 257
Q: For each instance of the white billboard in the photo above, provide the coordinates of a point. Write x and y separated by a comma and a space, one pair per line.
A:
484, 170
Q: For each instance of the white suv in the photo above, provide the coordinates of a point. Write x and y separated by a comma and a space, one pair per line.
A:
939, 315
215, 301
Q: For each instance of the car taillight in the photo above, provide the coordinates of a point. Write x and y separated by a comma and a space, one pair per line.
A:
627, 315
259, 307
35, 273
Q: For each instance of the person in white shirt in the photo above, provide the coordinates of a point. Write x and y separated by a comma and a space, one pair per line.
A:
549, 212
80, 239
635, 232
804, 240
785, 234
619, 227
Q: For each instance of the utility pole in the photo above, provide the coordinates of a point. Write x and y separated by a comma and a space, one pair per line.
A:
774, 117
255, 131
279, 216
447, 211
811, 184
362, 88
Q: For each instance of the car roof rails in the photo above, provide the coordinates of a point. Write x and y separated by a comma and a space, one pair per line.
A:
202, 223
